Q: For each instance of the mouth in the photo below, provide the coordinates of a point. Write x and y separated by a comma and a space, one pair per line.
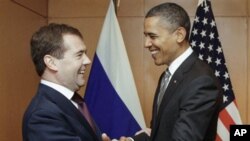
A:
154, 53
82, 72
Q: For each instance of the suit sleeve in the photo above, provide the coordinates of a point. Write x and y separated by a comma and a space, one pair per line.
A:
197, 109
45, 125
141, 137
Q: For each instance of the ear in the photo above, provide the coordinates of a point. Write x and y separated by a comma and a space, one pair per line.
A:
180, 34
50, 62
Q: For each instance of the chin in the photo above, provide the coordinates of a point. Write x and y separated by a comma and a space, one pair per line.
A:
158, 63
81, 84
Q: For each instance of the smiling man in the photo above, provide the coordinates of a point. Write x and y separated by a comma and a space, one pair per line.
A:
54, 114
188, 97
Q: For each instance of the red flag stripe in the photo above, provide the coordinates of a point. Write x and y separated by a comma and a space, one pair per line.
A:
204, 40
226, 119
218, 138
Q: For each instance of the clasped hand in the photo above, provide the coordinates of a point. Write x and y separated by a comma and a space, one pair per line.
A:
105, 137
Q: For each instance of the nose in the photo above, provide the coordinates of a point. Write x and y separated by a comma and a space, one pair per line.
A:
147, 42
86, 60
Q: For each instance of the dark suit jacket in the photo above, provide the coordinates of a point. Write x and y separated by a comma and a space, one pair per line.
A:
190, 106
52, 117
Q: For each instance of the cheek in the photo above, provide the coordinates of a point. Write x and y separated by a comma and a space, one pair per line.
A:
168, 46
165, 48
77, 66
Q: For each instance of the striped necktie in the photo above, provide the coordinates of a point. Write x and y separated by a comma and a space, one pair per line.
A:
163, 87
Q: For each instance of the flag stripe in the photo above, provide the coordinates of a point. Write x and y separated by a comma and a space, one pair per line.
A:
102, 98
233, 112
227, 119
205, 42
111, 94
218, 138
222, 131
116, 64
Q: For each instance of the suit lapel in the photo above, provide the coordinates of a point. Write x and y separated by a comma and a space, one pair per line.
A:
154, 115
67, 107
169, 93
175, 81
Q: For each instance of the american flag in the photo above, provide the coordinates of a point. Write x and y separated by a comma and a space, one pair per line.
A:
204, 40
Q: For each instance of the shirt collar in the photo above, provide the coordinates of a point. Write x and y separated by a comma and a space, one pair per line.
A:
179, 60
63, 90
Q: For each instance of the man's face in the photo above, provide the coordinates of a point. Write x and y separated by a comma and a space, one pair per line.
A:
159, 41
73, 64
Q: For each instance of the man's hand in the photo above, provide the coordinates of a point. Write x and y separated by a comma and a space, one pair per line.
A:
146, 130
105, 137
125, 139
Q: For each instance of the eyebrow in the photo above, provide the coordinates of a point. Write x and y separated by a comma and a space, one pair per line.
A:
80, 52
149, 33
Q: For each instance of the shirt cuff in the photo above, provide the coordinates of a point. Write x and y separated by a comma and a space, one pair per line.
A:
130, 139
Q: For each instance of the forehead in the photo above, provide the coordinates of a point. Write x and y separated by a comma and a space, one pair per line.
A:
151, 21
71, 41
154, 24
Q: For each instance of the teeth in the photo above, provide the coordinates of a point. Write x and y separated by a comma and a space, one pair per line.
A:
81, 72
154, 52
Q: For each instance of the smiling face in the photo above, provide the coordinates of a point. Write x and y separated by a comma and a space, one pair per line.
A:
73, 64
161, 42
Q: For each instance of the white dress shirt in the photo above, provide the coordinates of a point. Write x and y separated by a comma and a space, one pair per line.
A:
63, 90
178, 61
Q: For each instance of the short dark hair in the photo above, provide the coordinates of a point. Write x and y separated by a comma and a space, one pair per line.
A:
48, 40
173, 14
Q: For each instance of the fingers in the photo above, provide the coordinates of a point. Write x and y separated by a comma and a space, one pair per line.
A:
122, 138
105, 137
146, 130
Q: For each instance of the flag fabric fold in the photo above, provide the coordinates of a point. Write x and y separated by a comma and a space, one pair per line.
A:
204, 40
111, 93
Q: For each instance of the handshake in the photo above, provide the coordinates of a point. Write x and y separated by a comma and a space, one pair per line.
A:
105, 137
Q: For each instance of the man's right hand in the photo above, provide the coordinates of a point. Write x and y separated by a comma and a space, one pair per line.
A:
145, 130
105, 137
125, 139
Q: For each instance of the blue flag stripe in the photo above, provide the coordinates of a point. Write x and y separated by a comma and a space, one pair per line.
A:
111, 93
106, 107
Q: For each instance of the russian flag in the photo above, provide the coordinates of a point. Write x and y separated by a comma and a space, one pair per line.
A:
111, 93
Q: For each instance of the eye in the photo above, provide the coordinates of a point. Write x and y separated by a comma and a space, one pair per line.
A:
79, 55
153, 37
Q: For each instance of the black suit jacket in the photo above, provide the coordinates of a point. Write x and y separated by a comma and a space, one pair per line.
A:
52, 117
190, 106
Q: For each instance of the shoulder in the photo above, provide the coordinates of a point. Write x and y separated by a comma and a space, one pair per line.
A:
40, 106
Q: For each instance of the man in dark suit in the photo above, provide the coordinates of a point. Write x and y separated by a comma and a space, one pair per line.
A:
188, 100
54, 114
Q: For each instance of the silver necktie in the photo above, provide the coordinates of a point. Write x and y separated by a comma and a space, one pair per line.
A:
163, 87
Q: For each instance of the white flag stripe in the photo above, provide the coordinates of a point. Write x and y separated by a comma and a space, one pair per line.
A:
119, 71
200, 2
222, 131
234, 113
212, 54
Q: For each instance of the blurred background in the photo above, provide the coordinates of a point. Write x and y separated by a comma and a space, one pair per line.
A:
19, 19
